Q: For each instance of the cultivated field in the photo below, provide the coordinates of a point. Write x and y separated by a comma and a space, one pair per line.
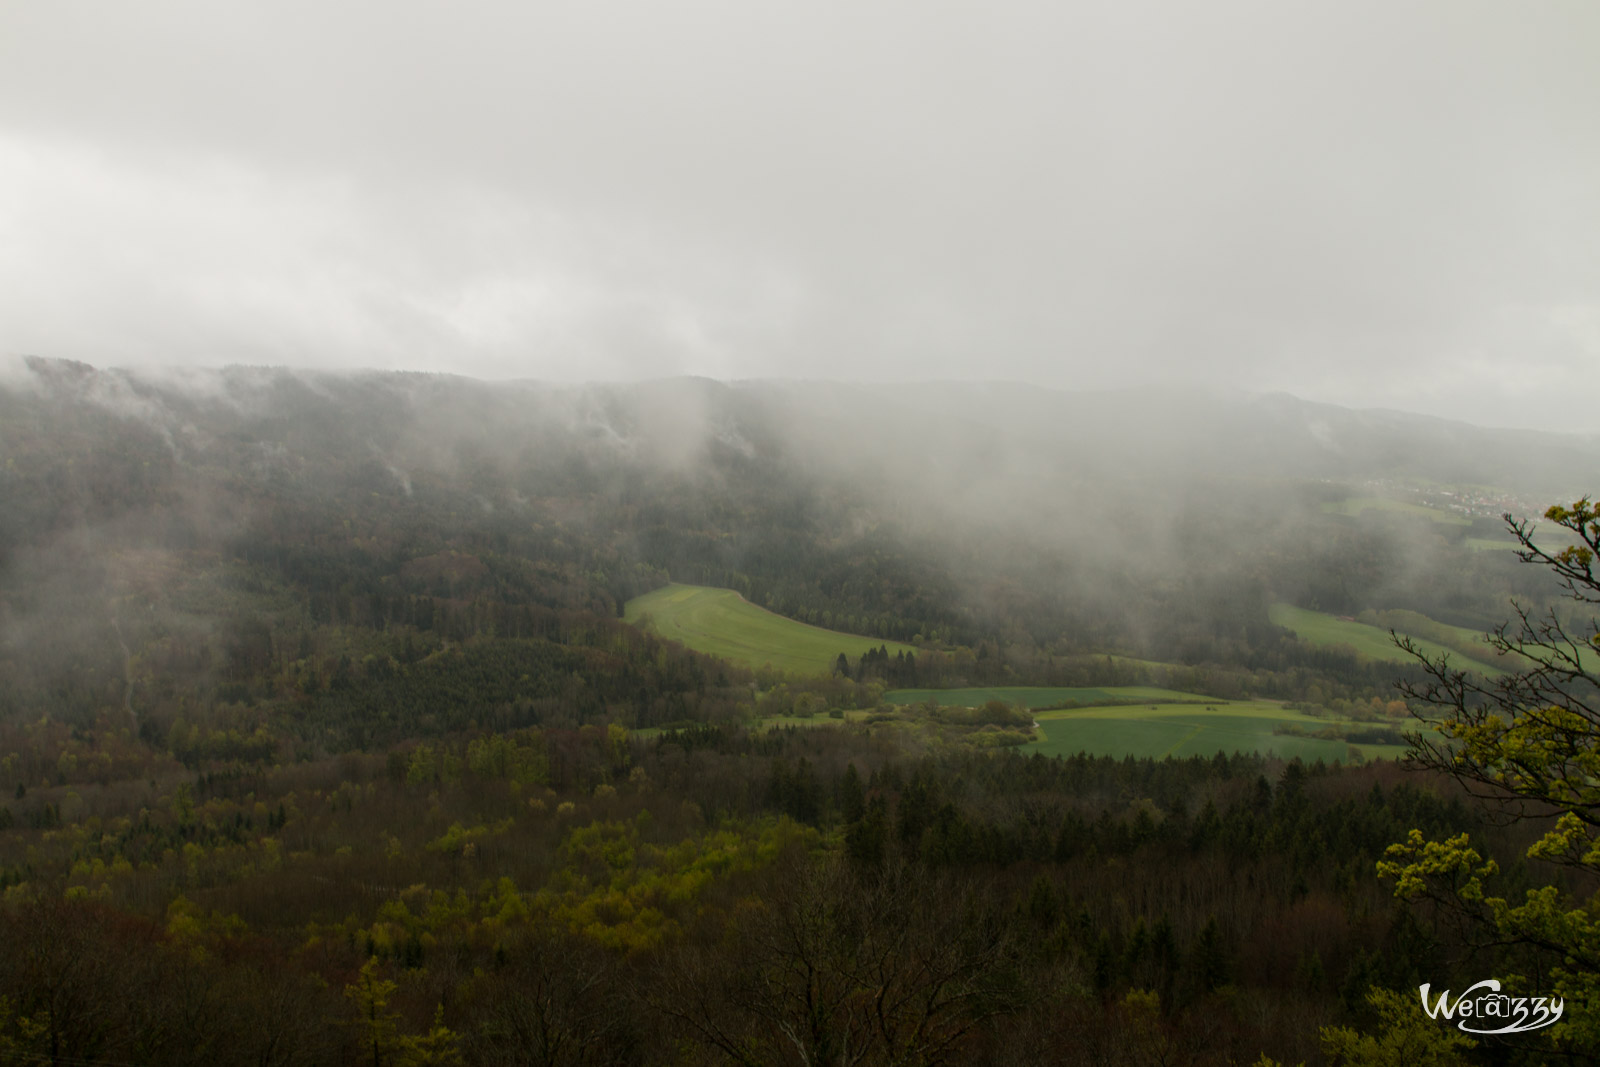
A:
1372, 642
1165, 722
722, 623
1182, 730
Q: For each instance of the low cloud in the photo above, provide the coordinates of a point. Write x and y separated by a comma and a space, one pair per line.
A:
1364, 204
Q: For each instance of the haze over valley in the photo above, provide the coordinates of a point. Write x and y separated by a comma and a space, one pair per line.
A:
397, 658
799, 535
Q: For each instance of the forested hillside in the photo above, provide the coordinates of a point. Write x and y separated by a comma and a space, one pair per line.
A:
324, 739
271, 535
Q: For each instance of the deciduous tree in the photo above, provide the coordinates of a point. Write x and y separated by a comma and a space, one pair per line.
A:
1528, 743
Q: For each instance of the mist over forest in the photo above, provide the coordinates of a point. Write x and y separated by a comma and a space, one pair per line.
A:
1161, 525
799, 535
320, 694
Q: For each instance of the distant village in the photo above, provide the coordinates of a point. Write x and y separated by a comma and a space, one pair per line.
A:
1469, 503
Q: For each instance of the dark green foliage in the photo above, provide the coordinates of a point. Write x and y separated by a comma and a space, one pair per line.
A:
1210, 959
866, 839
851, 801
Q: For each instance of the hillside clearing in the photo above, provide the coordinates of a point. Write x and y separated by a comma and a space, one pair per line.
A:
1183, 730
1372, 642
720, 622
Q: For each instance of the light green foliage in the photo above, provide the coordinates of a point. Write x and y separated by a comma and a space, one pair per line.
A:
621, 891
721, 623
437, 1047
460, 840
1418, 862
1145, 1037
190, 925
17, 1033
432, 764
418, 915
1535, 750
1532, 741
1453, 869
1407, 1037
1583, 519
617, 748
518, 757
377, 1025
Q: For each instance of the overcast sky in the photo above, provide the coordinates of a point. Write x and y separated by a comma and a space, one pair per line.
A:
1374, 204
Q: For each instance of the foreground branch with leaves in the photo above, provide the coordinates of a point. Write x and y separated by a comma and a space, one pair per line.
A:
1528, 743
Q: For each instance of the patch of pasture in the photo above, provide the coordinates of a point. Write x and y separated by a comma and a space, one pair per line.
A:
1184, 730
1211, 706
1036, 696
1372, 642
1550, 538
1355, 505
720, 622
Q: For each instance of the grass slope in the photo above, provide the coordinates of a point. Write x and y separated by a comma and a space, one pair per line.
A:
1418, 624
1372, 642
722, 623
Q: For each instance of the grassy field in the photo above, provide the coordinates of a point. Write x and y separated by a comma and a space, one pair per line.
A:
1030, 696
1165, 723
1323, 629
722, 623
1182, 730
1357, 504
1549, 537
1419, 625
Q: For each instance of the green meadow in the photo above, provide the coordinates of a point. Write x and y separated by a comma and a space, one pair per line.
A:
1549, 537
1164, 722
1357, 504
1031, 696
1372, 642
1183, 730
722, 623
